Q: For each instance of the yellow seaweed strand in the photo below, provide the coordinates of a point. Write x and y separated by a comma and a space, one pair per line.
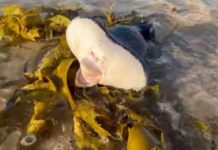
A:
62, 71
137, 139
109, 13
36, 125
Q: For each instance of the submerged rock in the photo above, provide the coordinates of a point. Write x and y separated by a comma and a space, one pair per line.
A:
57, 142
11, 141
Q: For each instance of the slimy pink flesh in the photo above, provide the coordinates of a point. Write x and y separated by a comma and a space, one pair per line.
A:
89, 73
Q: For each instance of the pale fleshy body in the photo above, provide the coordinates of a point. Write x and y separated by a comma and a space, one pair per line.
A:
102, 61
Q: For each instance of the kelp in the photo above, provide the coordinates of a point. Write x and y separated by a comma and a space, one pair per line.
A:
204, 127
15, 21
101, 116
111, 18
28, 24
109, 13
96, 124
142, 141
59, 22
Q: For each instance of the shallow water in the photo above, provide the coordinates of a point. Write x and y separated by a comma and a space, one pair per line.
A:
187, 70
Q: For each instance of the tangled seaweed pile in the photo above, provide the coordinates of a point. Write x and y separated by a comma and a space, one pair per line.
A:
103, 117
17, 23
